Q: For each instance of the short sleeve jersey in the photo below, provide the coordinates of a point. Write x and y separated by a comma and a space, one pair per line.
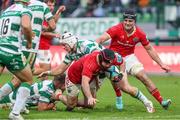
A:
124, 44
41, 92
88, 66
40, 13
10, 28
83, 47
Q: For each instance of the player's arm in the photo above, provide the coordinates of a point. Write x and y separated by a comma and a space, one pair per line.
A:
56, 71
42, 106
58, 12
86, 90
51, 26
85, 86
123, 67
153, 54
59, 97
60, 69
50, 35
27, 29
104, 37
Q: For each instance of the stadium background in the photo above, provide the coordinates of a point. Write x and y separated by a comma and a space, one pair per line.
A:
88, 19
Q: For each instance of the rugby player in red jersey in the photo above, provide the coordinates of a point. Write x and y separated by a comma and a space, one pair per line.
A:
77, 48
124, 37
83, 74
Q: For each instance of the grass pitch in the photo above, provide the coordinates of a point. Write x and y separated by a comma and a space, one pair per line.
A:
169, 87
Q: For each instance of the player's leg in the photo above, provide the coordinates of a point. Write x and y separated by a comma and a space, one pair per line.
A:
44, 60
1, 70
5, 102
7, 88
133, 91
23, 72
152, 89
72, 91
14, 83
113, 74
136, 68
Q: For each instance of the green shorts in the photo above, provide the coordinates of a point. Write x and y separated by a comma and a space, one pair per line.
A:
13, 62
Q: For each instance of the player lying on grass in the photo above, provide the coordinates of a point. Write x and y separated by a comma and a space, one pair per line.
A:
42, 94
77, 48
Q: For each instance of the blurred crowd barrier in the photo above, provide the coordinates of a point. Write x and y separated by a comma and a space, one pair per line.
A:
158, 18
170, 55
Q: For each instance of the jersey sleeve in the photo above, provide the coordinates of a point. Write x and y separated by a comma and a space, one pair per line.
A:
143, 39
68, 59
112, 31
91, 47
47, 13
45, 96
27, 12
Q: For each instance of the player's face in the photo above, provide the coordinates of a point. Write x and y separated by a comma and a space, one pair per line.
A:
66, 47
129, 23
106, 64
51, 6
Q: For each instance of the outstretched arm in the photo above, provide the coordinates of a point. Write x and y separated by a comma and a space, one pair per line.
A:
104, 37
51, 35
58, 12
56, 71
153, 54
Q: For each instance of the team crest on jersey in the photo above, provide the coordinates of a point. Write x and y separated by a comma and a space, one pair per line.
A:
135, 39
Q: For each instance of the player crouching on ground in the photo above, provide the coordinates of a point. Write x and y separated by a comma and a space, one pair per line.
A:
43, 94
83, 72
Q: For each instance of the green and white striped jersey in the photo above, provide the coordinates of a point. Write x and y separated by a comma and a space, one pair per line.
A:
40, 91
83, 47
10, 28
40, 13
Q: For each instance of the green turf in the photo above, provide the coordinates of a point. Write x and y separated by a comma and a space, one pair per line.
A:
105, 109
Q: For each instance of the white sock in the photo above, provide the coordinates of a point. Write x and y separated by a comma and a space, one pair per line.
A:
140, 96
6, 90
22, 95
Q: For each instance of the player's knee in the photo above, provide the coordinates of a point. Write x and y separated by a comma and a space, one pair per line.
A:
136, 69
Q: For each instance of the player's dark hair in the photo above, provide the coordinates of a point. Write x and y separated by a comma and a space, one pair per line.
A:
52, 1
60, 78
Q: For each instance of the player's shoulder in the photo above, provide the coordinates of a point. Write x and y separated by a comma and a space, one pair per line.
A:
36, 3
18, 7
47, 86
140, 31
117, 27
